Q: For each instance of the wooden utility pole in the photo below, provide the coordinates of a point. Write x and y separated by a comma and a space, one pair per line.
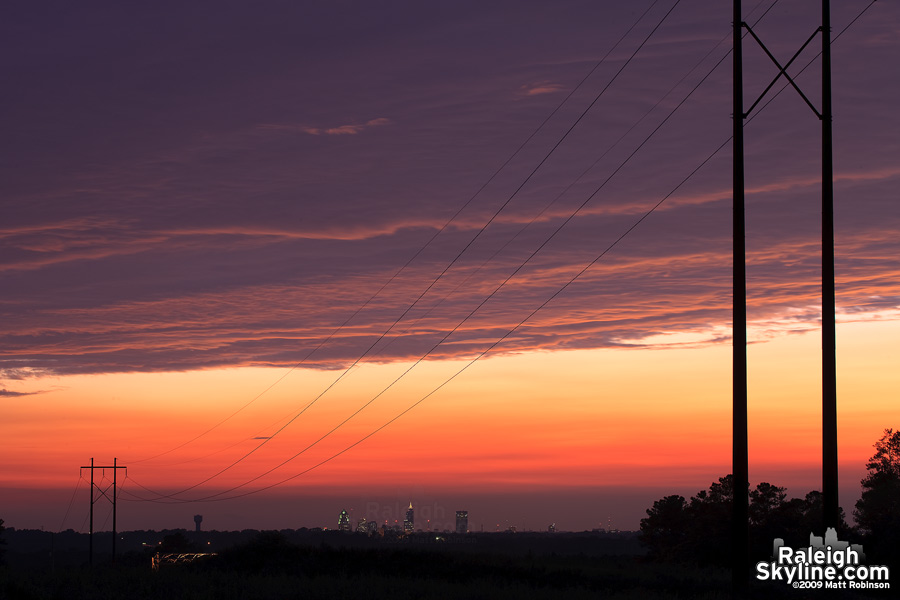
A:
739, 439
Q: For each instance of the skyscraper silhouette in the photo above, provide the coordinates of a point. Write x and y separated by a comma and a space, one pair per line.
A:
462, 521
409, 521
343, 521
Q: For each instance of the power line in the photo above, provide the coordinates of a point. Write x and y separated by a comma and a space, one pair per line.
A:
430, 241
485, 300
447, 267
500, 286
581, 176
546, 207
71, 501
471, 362
530, 315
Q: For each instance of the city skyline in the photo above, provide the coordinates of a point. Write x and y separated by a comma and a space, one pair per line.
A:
274, 261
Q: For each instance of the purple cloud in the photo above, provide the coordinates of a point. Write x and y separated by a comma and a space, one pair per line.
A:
190, 190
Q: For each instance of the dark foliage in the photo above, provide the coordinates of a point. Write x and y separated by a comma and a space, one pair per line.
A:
2, 544
878, 510
666, 528
691, 531
699, 530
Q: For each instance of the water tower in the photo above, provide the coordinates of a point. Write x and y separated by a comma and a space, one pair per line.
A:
197, 520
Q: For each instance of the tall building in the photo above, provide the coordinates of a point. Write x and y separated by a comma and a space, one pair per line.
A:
343, 521
197, 520
462, 521
409, 521
362, 526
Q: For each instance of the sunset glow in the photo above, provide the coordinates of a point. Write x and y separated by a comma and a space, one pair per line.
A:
270, 271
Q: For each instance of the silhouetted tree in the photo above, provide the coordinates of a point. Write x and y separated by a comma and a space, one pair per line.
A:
2, 544
772, 516
878, 510
695, 531
664, 532
765, 501
813, 512
700, 530
711, 513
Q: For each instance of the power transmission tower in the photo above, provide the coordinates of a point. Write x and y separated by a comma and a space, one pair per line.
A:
103, 494
831, 516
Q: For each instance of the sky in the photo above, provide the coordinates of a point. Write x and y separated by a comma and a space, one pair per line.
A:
285, 259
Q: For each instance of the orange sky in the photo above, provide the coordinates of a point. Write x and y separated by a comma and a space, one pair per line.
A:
626, 418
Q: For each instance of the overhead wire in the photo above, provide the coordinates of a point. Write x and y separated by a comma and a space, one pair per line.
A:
486, 299
522, 229
585, 172
71, 501
428, 243
451, 263
492, 294
581, 176
219, 496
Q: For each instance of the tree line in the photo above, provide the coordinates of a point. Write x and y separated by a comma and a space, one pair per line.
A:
698, 530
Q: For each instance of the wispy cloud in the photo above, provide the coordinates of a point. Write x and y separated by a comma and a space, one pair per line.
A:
351, 129
540, 88
11, 394
223, 221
